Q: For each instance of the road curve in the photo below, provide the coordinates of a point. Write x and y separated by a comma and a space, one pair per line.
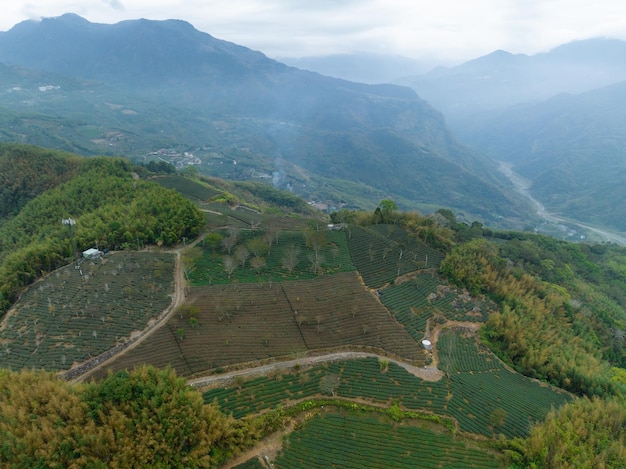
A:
428, 373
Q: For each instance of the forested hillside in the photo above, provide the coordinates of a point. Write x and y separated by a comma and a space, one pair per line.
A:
148, 417
416, 336
109, 207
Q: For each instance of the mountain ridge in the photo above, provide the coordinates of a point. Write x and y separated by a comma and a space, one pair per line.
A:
501, 79
256, 112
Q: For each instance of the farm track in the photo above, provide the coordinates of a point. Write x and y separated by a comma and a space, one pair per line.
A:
102, 360
88, 368
427, 373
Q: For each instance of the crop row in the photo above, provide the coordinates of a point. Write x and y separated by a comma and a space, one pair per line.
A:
228, 324
187, 187
286, 255
420, 250
359, 440
482, 402
378, 260
82, 310
424, 298
460, 352
491, 391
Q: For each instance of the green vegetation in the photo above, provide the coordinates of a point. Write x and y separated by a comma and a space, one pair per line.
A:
368, 440
191, 189
538, 329
224, 325
269, 254
78, 313
469, 398
146, 418
108, 209
585, 434
427, 300
384, 252
27, 171
264, 284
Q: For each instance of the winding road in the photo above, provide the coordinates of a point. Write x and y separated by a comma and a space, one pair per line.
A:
427, 373
523, 187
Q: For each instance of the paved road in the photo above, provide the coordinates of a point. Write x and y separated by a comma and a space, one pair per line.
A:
523, 187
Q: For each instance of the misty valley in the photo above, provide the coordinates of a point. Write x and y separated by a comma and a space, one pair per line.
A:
210, 258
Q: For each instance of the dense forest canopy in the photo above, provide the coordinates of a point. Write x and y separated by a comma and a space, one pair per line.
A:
27, 171
147, 418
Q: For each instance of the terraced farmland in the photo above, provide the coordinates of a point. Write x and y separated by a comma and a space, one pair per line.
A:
426, 297
245, 322
78, 312
472, 399
369, 440
285, 254
383, 252
189, 188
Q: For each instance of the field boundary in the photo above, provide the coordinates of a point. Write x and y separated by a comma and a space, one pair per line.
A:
427, 373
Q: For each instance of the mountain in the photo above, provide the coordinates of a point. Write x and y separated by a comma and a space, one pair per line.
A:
360, 67
502, 79
153, 89
557, 117
572, 148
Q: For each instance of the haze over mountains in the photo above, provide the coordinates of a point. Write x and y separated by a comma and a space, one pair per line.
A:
161, 89
558, 117
141, 86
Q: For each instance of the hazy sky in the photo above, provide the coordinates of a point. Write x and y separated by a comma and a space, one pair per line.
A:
451, 30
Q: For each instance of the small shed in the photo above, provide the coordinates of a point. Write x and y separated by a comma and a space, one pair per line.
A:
92, 253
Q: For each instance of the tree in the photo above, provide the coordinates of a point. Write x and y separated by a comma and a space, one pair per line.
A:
241, 255
155, 419
269, 237
213, 240
329, 384
316, 261
145, 418
257, 246
387, 209
229, 243
257, 263
317, 241
584, 433
290, 257
230, 264
498, 417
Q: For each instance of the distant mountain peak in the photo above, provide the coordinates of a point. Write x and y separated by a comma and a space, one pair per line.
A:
69, 17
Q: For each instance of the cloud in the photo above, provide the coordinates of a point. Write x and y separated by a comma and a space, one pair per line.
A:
449, 29
114, 4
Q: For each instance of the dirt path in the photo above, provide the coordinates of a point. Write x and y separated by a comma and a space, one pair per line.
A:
428, 373
178, 297
268, 448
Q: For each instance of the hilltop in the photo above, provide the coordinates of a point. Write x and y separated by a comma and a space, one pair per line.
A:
296, 325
